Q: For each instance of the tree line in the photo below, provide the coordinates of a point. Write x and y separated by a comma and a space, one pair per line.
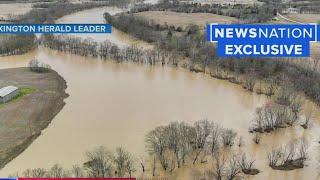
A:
16, 44
100, 163
106, 50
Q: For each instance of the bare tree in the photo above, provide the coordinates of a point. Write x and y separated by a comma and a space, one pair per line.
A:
214, 137
76, 171
272, 116
233, 171
38, 173
289, 157
274, 157
247, 165
124, 163
99, 163
257, 138
142, 162
174, 140
270, 87
27, 173
56, 172
249, 83
156, 144
284, 95
228, 136
296, 105
219, 166
308, 118
203, 129
39, 67
186, 137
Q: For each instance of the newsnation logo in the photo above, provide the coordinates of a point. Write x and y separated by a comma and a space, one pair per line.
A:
262, 40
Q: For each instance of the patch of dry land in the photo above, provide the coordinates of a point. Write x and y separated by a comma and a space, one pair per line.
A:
185, 19
14, 9
22, 119
304, 18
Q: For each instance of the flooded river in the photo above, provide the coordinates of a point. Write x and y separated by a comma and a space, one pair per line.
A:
96, 16
114, 105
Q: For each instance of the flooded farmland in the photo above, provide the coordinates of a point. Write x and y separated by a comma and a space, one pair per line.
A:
114, 104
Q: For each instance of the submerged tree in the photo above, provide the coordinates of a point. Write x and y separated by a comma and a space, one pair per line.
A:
124, 163
288, 157
99, 163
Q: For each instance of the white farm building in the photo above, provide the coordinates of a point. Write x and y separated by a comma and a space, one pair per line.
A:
8, 93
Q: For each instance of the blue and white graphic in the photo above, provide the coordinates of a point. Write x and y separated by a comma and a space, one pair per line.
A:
277, 40
54, 28
318, 35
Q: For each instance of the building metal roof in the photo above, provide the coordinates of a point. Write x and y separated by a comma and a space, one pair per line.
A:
7, 90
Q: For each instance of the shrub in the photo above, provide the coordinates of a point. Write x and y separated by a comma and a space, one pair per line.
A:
38, 67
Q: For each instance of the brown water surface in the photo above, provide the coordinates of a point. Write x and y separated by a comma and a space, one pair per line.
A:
114, 105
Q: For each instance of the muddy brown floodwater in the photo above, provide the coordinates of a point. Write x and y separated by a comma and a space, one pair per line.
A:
113, 105
96, 16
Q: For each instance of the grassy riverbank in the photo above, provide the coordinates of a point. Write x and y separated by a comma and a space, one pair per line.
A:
22, 120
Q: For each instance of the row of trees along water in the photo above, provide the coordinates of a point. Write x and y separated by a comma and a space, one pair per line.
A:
177, 145
106, 50
301, 75
45, 13
16, 44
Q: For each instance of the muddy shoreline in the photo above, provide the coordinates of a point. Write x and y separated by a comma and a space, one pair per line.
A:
23, 120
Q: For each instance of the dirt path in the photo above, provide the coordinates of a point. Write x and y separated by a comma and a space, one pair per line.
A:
22, 120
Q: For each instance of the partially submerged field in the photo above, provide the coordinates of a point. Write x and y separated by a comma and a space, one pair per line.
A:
185, 19
22, 119
304, 18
